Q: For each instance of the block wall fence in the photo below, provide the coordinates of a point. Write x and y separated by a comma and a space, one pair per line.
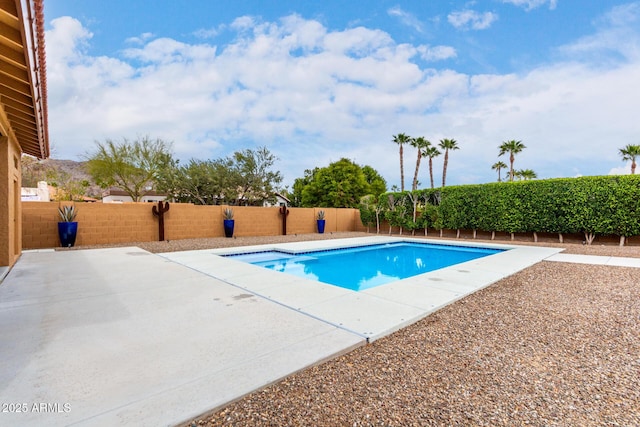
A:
105, 223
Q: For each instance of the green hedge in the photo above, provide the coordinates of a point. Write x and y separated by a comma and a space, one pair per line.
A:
605, 205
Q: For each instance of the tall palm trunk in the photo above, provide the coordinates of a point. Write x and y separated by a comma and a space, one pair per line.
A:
444, 167
431, 170
401, 169
633, 167
512, 159
415, 175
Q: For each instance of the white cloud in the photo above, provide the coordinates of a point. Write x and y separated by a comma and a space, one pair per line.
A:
66, 40
532, 4
616, 39
313, 95
76, 79
626, 170
165, 50
465, 19
406, 18
140, 39
243, 23
623, 15
207, 33
436, 53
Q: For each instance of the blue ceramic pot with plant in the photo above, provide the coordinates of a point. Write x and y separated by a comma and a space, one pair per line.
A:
67, 227
228, 222
320, 222
67, 232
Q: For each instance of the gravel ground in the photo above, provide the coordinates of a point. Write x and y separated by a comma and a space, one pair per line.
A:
553, 345
556, 344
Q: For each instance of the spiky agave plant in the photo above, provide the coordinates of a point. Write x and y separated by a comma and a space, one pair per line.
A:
67, 213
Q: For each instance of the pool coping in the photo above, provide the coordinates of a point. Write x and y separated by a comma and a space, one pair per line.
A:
375, 312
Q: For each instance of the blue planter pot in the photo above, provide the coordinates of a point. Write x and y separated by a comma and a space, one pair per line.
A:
228, 227
67, 232
321, 223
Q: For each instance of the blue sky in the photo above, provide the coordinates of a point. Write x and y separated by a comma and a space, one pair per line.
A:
315, 81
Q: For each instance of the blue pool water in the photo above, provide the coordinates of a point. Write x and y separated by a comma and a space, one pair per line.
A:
365, 267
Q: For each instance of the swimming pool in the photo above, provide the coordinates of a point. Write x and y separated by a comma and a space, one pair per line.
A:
364, 267
371, 313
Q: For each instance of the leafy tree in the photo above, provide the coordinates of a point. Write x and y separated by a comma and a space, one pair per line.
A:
299, 185
431, 152
133, 166
367, 211
377, 184
244, 178
257, 182
512, 147
430, 217
201, 182
499, 166
421, 144
401, 139
375, 207
417, 199
340, 185
447, 144
396, 212
630, 152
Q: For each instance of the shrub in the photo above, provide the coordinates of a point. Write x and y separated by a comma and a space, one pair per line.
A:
591, 205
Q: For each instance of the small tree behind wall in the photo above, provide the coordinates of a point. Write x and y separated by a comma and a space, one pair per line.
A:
372, 210
132, 166
367, 212
397, 213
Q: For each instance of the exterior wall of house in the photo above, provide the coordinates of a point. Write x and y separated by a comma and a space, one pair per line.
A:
10, 216
280, 201
105, 223
39, 194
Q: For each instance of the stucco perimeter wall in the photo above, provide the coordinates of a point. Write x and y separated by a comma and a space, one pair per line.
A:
104, 223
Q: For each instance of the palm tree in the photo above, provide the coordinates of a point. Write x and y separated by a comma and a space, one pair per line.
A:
401, 139
630, 152
431, 152
499, 166
512, 147
526, 174
421, 144
447, 144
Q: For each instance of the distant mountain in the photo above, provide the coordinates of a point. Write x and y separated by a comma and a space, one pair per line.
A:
78, 170
34, 170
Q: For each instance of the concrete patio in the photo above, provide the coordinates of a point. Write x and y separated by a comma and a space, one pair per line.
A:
124, 337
